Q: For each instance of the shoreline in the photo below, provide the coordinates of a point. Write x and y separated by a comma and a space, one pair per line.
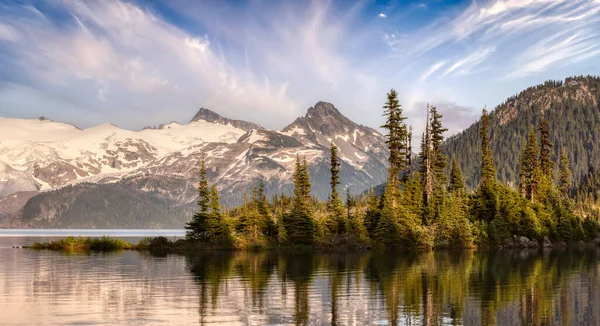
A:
163, 245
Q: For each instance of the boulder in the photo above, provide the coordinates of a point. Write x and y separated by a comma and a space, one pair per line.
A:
547, 243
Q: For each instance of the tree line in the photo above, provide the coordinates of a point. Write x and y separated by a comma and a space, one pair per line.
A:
421, 205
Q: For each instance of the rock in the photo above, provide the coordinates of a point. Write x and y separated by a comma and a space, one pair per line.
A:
547, 243
561, 244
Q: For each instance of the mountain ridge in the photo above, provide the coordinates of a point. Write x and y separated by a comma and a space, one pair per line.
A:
86, 163
213, 117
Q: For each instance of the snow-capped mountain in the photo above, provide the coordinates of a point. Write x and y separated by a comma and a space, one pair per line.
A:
39, 156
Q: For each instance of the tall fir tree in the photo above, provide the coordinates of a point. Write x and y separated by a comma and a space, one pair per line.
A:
457, 182
564, 181
198, 228
299, 223
372, 214
488, 168
523, 163
337, 220
425, 160
396, 136
485, 202
546, 147
409, 149
532, 171
439, 159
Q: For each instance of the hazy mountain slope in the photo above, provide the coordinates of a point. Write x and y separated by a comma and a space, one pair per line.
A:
573, 110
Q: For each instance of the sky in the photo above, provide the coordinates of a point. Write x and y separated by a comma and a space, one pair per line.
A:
142, 63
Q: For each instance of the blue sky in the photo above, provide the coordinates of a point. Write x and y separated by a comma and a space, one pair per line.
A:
137, 63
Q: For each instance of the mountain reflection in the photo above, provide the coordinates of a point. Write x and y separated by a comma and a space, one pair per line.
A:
434, 288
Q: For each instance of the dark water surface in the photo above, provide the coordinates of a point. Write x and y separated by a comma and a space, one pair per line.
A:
134, 288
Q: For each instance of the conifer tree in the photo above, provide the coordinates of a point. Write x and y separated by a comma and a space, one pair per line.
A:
387, 231
488, 168
532, 167
565, 174
371, 218
457, 183
425, 160
409, 148
546, 163
299, 225
485, 202
439, 159
218, 229
349, 202
523, 163
198, 228
336, 209
397, 135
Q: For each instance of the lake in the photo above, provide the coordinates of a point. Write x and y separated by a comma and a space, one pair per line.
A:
557, 287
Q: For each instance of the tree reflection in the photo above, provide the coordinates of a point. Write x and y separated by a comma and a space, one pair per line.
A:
433, 288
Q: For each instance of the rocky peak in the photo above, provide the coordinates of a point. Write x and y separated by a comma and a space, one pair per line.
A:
213, 117
325, 119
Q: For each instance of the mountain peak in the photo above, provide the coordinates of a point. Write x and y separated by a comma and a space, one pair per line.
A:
213, 117
323, 109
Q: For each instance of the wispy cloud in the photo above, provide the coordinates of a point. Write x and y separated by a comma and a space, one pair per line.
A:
556, 49
435, 67
464, 65
141, 63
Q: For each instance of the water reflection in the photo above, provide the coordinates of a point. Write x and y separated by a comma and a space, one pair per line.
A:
446, 288
244, 288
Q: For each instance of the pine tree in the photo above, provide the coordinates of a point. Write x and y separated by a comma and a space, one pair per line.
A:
198, 228
409, 148
565, 174
486, 200
439, 159
546, 163
523, 163
336, 210
532, 171
488, 168
387, 231
457, 183
217, 227
425, 161
299, 225
397, 135
349, 202
372, 214
262, 206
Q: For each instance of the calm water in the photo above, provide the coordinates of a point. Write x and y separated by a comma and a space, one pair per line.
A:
135, 288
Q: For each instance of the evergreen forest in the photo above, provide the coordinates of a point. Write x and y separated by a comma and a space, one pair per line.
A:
426, 202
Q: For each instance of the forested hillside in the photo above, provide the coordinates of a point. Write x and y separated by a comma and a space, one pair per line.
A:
571, 107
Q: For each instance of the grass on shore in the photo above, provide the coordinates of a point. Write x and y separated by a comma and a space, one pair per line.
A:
85, 244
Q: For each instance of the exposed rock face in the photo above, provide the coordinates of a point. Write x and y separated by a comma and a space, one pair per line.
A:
55, 155
213, 117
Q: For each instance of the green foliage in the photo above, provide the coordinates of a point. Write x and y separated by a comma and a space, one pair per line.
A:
337, 219
397, 136
565, 174
85, 244
571, 110
457, 183
299, 224
207, 224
